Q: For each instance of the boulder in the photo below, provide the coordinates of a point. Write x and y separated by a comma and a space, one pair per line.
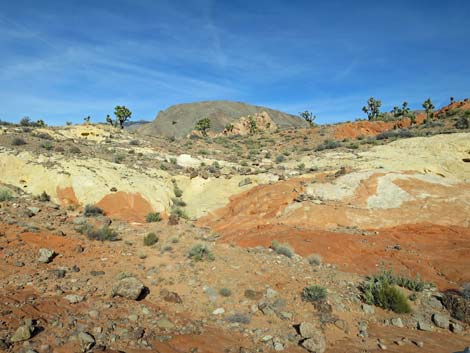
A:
22, 333
440, 320
45, 255
307, 330
186, 161
129, 288
86, 340
315, 344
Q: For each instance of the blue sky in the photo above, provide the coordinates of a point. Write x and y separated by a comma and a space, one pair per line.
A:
63, 60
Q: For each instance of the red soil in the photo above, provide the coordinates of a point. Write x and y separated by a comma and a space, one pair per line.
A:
372, 128
436, 252
67, 196
126, 206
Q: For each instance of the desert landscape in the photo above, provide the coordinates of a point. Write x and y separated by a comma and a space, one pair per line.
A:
294, 237
219, 176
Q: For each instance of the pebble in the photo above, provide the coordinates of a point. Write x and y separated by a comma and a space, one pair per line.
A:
218, 311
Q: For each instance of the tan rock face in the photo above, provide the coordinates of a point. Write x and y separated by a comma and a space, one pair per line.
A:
262, 121
242, 127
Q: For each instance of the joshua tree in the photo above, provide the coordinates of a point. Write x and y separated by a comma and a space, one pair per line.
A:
122, 115
109, 120
405, 109
428, 107
87, 119
451, 100
372, 109
253, 126
229, 127
308, 117
203, 125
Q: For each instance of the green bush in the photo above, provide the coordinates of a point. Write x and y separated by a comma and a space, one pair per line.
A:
386, 296
200, 252
178, 192
314, 259
179, 212
381, 290
282, 249
102, 234
5, 195
44, 197
328, 145
150, 239
314, 293
414, 284
47, 146
153, 217
92, 211
225, 292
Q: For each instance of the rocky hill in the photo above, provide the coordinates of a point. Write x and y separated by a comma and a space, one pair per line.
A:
179, 120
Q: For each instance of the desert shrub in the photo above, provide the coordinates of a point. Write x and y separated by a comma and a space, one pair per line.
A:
150, 239
5, 123
47, 146
178, 192
239, 318
457, 305
44, 197
5, 195
315, 259
134, 142
400, 133
225, 292
301, 167
381, 292
74, 150
18, 141
353, 146
44, 136
328, 145
118, 158
26, 121
463, 123
282, 249
200, 252
173, 160
59, 149
153, 217
280, 158
314, 293
179, 212
414, 284
454, 111
103, 234
92, 211
177, 202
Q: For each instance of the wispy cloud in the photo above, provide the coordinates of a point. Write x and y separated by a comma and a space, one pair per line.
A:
67, 59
